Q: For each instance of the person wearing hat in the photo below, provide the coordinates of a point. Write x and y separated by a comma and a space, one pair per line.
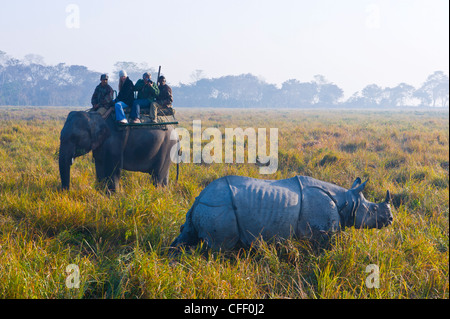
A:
103, 94
125, 97
164, 99
147, 93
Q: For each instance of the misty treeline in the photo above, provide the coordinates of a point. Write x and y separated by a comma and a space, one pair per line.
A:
32, 82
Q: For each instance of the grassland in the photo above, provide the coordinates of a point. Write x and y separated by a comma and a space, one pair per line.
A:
119, 242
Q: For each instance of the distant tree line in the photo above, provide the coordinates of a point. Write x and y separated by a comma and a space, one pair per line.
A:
434, 92
31, 82
247, 90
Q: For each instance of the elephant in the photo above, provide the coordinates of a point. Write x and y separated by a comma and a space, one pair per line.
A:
113, 148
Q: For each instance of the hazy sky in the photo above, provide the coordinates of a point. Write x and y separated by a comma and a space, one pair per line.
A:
351, 42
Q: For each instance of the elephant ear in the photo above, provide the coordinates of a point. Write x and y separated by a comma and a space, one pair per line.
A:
99, 130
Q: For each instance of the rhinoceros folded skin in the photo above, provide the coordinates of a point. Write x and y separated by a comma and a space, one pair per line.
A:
236, 209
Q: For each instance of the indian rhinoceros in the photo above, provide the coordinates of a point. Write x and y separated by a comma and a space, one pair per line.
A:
238, 210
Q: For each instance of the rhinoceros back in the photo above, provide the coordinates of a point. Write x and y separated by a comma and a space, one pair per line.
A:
261, 207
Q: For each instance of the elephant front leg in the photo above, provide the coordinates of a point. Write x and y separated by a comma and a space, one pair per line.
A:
99, 169
108, 168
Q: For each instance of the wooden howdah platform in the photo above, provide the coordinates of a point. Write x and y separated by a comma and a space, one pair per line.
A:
165, 117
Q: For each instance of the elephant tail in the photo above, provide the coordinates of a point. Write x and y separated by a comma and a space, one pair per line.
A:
178, 166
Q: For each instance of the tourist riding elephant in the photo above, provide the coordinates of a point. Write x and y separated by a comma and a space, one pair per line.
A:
143, 149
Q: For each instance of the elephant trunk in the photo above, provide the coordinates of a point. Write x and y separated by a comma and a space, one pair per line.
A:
65, 161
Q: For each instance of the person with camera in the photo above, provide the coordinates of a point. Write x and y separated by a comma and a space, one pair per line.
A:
148, 91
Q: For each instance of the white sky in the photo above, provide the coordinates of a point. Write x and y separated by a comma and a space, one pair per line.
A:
351, 42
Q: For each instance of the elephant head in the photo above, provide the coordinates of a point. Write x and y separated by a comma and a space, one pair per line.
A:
82, 132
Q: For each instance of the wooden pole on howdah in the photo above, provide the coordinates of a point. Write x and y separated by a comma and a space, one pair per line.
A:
159, 73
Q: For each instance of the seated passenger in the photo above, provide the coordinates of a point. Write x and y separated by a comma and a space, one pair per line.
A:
147, 93
125, 97
163, 101
103, 94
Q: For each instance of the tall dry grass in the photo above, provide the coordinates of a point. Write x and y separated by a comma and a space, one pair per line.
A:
119, 242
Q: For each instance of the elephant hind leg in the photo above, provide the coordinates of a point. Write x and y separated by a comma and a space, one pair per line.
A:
165, 180
154, 178
159, 178
112, 176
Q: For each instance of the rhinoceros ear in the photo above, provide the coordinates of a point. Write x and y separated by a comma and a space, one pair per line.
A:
356, 182
388, 197
360, 188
